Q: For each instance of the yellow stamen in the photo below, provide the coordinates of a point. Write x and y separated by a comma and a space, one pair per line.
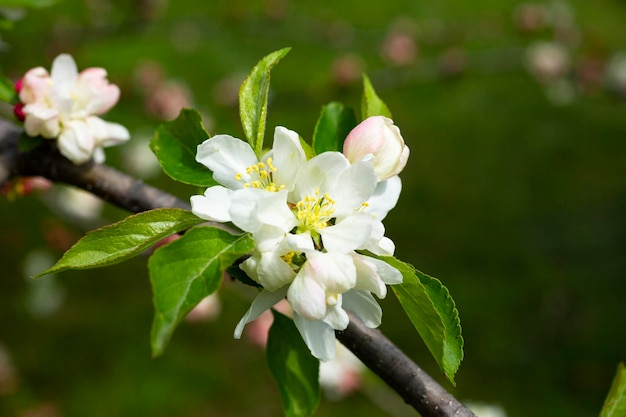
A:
288, 257
260, 175
314, 212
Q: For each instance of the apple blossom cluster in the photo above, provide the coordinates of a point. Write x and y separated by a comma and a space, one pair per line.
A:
65, 104
312, 221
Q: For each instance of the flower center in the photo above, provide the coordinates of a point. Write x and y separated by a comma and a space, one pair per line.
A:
314, 212
261, 176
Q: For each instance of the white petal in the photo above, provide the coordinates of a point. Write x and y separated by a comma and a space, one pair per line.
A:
107, 133
116, 134
63, 74
274, 210
245, 206
404, 157
353, 188
288, 157
76, 142
307, 297
320, 172
385, 197
227, 156
384, 247
300, 242
348, 234
253, 208
267, 237
364, 306
334, 271
367, 277
336, 317
377, 233
264, 301
250, 265
318, 336
271, 238
213, 205
64, 69
388, 274
41, 120
274, 272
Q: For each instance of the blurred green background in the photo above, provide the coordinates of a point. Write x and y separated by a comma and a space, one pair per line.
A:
514, 196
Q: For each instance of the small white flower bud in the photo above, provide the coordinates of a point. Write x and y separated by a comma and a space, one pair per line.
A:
378, 138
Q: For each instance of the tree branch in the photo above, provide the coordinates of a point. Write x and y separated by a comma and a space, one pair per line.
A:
377, 352
386, 360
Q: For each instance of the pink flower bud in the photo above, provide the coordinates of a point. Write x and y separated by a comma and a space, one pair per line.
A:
379, 138
18, 85
18, 111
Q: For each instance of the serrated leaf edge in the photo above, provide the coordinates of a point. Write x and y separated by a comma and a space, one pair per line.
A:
445, 365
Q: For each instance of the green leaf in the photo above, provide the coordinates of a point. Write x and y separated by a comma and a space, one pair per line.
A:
294, 368
175, 145
187, 270
433, 313
333, 125
253, 99
309, 152
615, 402
371, 104
122, 240
7, 91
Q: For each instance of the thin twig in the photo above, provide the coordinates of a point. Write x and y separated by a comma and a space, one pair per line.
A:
377, 352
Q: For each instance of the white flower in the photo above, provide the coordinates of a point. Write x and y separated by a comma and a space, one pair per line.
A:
377, 137
64, 105
253, 193
308, 219
315, 264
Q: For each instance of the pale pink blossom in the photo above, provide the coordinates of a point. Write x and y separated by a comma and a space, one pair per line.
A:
548, 61
64, 105
342, 375
400, 49
378, 138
